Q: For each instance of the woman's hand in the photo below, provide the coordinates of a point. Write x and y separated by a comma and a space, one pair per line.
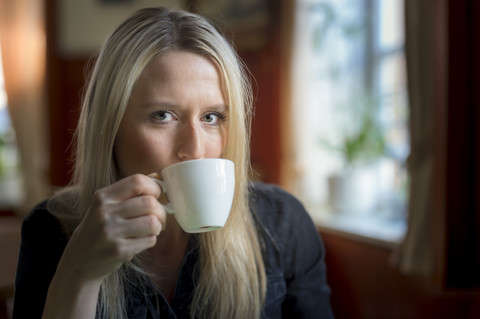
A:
124, 219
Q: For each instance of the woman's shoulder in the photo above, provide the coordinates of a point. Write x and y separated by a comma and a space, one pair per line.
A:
270, 199
278, 210
270, 195
293, 253
39, 214
42, 243
41, 222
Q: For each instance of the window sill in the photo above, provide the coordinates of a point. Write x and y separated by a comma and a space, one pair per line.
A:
370, 228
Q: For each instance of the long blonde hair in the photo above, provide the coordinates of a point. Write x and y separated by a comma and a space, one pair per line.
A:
232, 281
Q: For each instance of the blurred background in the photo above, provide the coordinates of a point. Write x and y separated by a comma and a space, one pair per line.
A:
364, 109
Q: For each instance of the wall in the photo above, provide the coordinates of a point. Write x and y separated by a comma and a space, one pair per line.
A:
79, 39
9, 244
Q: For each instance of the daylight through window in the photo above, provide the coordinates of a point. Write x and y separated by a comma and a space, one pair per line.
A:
350, 111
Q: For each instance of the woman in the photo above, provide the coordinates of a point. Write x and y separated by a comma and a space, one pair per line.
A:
166, 88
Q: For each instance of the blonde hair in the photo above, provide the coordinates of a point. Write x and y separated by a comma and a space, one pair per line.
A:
232, 281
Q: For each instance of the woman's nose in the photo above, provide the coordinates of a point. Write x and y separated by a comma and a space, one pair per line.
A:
190, 143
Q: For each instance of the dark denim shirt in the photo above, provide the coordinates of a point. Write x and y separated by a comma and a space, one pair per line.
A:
293, 256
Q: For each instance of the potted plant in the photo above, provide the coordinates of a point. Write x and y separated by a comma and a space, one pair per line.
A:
354, 189
10, 189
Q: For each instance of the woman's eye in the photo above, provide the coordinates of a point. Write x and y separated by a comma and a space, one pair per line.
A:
213, 118
162, 116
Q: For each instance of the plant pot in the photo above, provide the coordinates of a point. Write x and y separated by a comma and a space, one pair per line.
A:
355, 190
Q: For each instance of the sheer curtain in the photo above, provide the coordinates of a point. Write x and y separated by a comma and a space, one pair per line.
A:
23, 52
289, 162
425, 33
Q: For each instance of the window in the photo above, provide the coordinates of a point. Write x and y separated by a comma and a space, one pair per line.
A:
350, 114
10, 186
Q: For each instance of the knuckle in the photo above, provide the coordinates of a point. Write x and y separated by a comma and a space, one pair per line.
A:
149, 202
98, 197
152, 223
137, 182
151, 241
102, 217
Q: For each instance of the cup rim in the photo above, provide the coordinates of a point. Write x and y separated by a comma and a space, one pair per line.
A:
181, 163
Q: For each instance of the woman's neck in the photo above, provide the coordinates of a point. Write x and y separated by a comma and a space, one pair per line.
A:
165, 258
171, 239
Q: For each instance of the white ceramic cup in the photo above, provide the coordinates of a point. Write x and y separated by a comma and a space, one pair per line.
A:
200, 193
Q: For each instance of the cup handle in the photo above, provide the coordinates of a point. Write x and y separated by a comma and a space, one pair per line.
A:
168, 207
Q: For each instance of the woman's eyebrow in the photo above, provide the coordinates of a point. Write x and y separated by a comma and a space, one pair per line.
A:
222, 107
169, 105
158, 104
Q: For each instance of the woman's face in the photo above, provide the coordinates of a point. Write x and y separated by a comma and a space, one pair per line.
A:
177, 112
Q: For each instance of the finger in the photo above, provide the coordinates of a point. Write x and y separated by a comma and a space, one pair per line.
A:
154, 175
139, 227
139, 206
138, 217
128, 187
